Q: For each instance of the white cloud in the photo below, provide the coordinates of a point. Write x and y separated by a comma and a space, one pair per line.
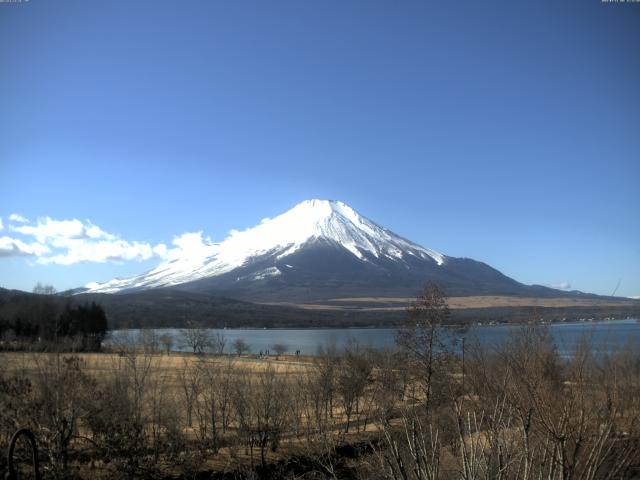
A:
67, 242
189, 246
635, 297
101, 252
16, 217
160, 250
13, 247
561, 286
48, 229
1, 225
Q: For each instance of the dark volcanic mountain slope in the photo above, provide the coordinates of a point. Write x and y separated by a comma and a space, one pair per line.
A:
316, 251
323, 270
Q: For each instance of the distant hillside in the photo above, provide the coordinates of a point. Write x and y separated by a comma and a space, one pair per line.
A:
166, 308
175, 308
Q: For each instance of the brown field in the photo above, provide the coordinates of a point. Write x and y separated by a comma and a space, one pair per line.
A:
400, 303
169, 366
145, 414
165, 374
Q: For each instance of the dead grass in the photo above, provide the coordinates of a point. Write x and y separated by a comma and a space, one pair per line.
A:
492, 301
168, 370
166, 365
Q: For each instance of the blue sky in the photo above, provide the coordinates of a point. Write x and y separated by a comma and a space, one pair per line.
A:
501, 131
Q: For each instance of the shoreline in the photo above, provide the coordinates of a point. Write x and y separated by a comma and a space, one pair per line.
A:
396, 327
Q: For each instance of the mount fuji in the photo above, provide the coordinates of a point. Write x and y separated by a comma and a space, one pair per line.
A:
317, 251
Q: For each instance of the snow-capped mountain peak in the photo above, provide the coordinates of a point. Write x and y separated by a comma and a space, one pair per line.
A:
309, 222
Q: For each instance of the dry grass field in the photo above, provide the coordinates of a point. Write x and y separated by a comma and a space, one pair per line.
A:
169, 366
374, 304
179, 382
516, 411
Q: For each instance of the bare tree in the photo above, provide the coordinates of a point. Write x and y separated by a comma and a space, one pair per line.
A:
167, 342
118, 420
412, 451
240, 346
390, 385
423, 337
217, 344
280, 349
61, 398
327, 361
190, 380
161, 413
41, 289
319, 439
149, 340
352, 380
213, 403
262, 408
197, 338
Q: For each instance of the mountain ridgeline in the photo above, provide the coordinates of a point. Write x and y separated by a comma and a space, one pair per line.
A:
317, 251
323, 264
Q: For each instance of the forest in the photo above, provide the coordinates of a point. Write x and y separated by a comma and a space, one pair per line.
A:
45, 321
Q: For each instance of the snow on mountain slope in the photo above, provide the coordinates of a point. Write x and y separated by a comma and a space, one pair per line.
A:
307, 222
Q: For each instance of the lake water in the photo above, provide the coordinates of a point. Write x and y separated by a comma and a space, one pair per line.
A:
606, 336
